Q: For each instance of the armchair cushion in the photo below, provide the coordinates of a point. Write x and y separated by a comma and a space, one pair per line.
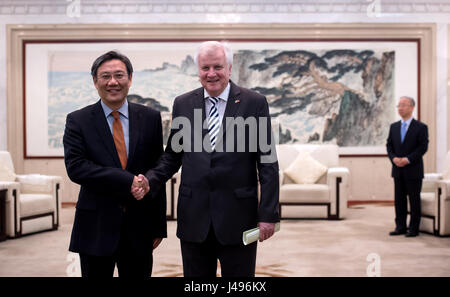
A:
305, 169
428, 204
294, 193
34, 204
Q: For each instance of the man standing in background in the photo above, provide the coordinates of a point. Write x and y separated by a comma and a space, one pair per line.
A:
406, 144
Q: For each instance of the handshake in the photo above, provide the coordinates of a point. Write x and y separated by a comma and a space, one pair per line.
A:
140, 187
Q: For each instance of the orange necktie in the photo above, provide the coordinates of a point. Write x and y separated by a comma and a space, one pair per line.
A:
119, 139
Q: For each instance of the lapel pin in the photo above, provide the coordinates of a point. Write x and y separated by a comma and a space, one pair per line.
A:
237, 101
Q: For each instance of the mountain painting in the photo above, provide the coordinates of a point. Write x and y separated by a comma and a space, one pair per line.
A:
341, 96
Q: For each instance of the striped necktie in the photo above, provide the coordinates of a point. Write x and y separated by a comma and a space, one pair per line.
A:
213, 121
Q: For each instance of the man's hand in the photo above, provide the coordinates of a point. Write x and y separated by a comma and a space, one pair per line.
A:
403, 162
400, 162
266, 230
140, 187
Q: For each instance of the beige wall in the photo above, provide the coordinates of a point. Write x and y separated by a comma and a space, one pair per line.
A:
370, 176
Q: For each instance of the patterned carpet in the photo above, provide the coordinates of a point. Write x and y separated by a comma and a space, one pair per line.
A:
357, 246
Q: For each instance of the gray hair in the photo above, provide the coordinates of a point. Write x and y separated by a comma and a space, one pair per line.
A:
207, 45
411, 100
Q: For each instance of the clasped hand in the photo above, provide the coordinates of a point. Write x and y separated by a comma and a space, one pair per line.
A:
400, 162
140, 187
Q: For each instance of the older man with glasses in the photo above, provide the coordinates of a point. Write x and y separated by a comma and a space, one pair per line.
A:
406, 145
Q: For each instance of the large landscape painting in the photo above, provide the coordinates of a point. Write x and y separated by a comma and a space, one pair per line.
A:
341, 95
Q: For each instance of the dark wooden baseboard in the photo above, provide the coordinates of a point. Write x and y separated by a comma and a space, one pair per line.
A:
68, 204
375, 202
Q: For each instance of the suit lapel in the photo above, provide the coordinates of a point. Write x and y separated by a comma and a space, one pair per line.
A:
233, 102
397, 132
199, 104
411, 127
134, 120
102, 128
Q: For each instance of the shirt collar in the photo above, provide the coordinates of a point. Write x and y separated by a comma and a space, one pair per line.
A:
408, 121
122, 110
224, 95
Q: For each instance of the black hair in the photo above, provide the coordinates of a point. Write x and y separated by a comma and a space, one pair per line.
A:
111, 55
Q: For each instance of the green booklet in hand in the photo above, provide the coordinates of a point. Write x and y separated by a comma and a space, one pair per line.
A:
252, 235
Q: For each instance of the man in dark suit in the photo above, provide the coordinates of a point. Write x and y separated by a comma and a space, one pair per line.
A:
106, 146
218, 194
406, 144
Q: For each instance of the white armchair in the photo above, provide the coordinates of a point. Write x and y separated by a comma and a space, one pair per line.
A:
32, 201
327, 196
435, 202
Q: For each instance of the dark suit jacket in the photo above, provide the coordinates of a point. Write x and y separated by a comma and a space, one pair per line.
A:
413, 147
92, 161
219, 188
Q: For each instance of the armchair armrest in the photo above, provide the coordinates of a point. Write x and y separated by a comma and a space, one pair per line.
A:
176, 187
443, 207
432, 176
338, 180
36, 179
281, 176
12, 206
37, 183
10, 186
444, 185
342, 172
430, 182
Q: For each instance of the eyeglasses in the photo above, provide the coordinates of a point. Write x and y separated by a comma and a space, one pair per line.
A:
119, 76
403, 105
